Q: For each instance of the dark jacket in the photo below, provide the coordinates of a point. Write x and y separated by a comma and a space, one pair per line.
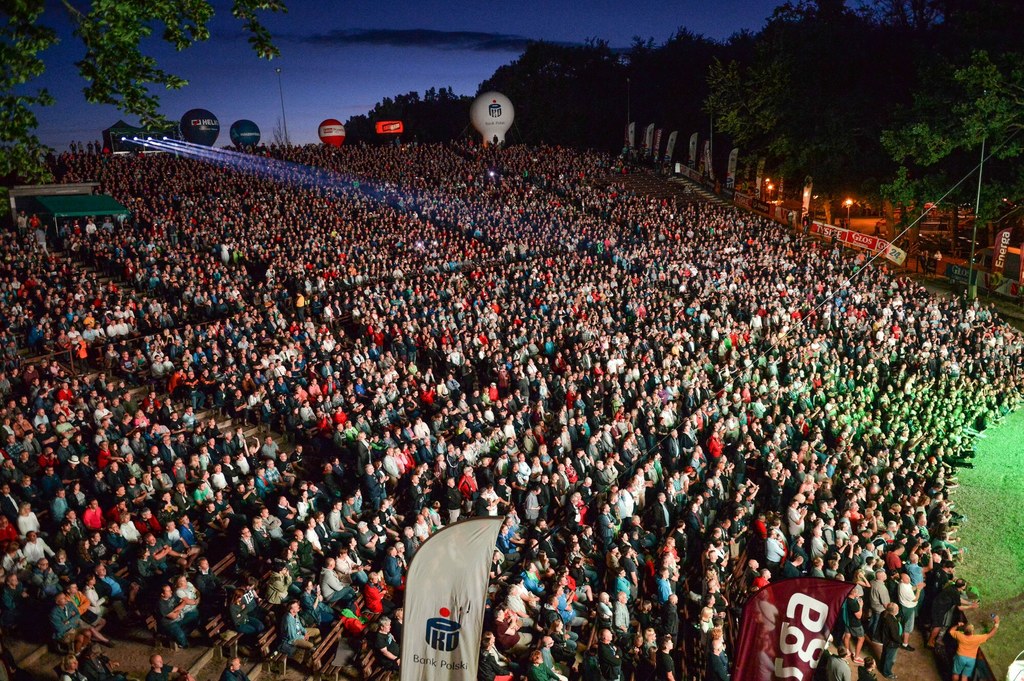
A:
890, 633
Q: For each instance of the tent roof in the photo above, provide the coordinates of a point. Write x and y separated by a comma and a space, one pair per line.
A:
81, 205
122, 126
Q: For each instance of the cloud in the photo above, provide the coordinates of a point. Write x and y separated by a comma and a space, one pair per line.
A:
472, 41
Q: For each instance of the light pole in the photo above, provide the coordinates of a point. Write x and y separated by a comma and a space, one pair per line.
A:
972, 286
284, 119
629, 93
848, 203
770, 187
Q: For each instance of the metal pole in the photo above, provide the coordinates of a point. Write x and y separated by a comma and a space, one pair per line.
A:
284, 119
629, 95
711, 143
972, 286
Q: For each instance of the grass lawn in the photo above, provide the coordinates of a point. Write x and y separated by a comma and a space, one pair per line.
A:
991, 495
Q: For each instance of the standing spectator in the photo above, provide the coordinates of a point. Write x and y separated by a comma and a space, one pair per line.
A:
890, 635
967, 645
877, 602
718, 661
837, 667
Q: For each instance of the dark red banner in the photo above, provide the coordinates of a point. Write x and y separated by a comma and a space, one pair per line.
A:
390, 127
785, 628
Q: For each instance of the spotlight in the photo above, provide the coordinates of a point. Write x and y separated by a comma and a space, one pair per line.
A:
123, 138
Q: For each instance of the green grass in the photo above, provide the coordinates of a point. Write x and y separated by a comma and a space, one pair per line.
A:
991, 495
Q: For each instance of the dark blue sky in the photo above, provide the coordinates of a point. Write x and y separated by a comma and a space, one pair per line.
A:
339, 58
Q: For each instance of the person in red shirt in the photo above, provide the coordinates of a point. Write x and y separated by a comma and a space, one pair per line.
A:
8, 532
467, 485
374, 593
92, 517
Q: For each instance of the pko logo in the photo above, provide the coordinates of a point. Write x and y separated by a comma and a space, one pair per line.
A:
494, 109
442, 632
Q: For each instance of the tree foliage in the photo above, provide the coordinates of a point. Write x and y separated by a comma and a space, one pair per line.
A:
971, 91
438, 115
116, 69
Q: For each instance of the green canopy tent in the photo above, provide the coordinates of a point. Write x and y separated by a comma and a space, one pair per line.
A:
82, 205
112, 136
79, 205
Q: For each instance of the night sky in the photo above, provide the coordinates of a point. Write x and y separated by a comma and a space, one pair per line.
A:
339, 58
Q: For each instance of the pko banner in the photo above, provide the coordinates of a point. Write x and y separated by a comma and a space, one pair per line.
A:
786, 626
445, 593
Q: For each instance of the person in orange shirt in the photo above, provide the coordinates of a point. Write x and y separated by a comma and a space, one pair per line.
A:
967, 648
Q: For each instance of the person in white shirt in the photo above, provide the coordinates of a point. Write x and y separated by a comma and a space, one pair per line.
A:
128, 530
27, 520
36, 548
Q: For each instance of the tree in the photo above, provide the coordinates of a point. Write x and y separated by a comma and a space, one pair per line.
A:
572, 95
813, 96
439, 115
115, 68
970, 89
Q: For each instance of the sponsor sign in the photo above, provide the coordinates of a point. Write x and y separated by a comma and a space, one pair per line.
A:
785, 628
390, 127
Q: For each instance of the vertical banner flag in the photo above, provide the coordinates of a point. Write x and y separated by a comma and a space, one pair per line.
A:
785, 627
760, 177
693, 150
649, 138
1002, 247
730, 174
705, 162
808, 186
670, 148
632, 134
657, 143
445, 593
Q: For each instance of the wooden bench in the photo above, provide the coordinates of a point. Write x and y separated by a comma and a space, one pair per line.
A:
159, 637
223, 565
366, 663
274, 658
323, 654
222, 638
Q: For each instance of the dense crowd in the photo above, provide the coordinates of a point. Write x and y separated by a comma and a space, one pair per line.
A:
672, 403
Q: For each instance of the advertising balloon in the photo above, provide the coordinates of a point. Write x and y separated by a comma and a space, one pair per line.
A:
199, 126
491, 115
245, 133
332, 132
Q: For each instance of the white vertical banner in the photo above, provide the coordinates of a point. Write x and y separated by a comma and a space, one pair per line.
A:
632, 135
760, 177
808, 189
657, 143
445, 592
693, 150
649, 138
730, 173
671, 146
706, 169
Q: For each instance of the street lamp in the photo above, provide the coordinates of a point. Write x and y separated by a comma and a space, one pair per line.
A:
284, 119
770, 188
848, 203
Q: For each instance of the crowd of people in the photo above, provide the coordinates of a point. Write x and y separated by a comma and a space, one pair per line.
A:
671, 402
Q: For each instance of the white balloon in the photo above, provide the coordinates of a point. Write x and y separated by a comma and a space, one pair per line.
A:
492, 114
